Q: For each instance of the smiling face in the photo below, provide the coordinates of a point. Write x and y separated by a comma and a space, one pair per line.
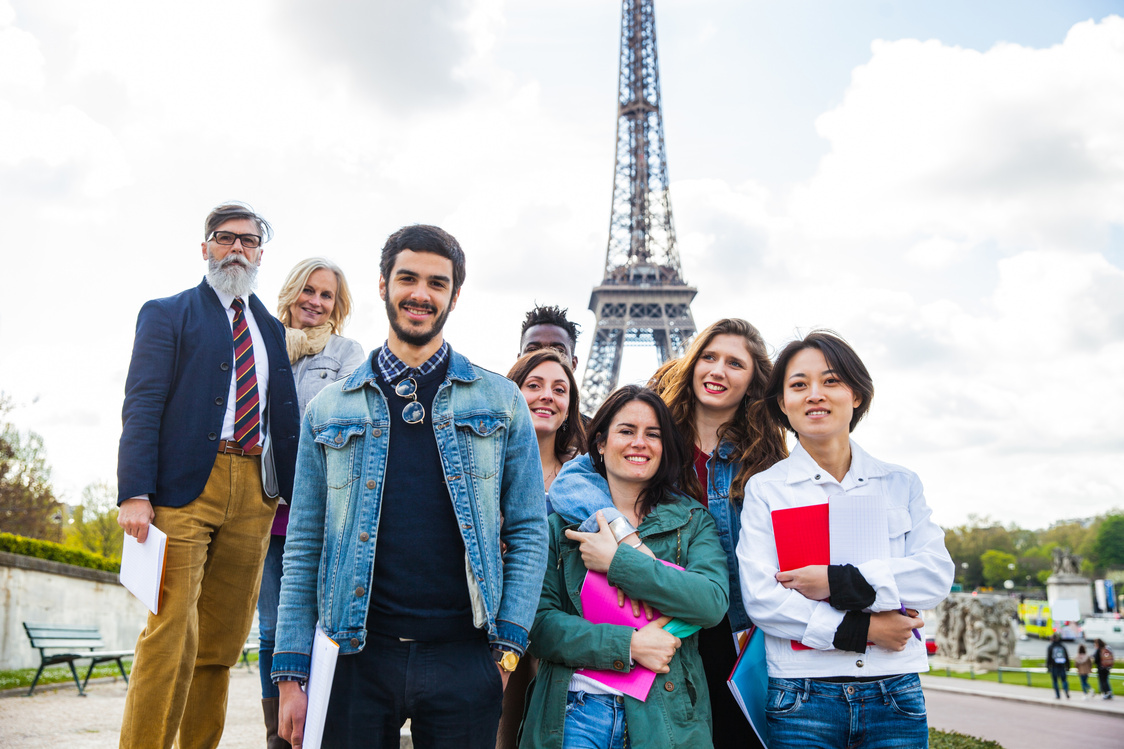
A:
419, 296
547, 390
722, 373
316, 301
818, 404
633, 447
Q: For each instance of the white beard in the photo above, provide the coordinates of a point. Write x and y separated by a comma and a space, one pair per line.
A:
233, 275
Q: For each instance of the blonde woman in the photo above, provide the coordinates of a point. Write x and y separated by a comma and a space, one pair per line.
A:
314, 305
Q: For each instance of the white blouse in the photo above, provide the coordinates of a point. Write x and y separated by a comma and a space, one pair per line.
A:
918, 573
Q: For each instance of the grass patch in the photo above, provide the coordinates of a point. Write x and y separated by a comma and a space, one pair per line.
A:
953, 740
21, 678
1040, 681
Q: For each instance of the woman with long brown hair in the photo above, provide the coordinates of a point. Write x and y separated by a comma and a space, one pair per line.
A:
715, 393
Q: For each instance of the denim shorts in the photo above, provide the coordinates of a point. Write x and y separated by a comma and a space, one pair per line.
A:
594, 721
812, 714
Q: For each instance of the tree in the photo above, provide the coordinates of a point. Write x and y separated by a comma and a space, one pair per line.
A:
997, 567
1109, 545
93, 526
28, 506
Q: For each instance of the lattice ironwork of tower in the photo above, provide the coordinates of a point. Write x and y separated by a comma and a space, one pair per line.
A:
643, 299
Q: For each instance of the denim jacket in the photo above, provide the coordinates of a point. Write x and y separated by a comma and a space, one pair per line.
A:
339, 358
577, 501
491, 464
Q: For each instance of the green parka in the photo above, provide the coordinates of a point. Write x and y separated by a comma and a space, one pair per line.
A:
677, 711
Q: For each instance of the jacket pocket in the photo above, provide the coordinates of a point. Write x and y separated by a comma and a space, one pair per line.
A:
481, 438
898, 523
341, 461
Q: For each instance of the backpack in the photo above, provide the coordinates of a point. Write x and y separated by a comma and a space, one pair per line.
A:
1060, 656
1107, 658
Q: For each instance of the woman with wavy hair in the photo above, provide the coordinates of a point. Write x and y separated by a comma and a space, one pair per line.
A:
314, 305
715, 393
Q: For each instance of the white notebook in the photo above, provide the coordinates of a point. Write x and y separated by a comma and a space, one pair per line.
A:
142, 567
859, 529
325, 650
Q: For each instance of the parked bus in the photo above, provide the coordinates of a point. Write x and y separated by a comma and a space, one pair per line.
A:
1035, 617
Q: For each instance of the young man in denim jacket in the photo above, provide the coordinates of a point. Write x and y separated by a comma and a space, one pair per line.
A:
412, 474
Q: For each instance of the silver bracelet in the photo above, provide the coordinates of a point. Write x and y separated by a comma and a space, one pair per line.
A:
637, 545
621, 529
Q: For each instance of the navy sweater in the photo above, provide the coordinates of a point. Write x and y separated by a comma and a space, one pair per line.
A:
419, 590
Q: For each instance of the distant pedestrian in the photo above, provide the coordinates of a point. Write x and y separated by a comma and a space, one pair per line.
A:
1084, 665
1104, 659
1057, 661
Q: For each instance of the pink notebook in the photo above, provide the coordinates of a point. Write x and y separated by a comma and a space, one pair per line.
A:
599, 602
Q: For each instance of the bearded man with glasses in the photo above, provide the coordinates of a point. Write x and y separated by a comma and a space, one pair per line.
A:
412, 474
208, 444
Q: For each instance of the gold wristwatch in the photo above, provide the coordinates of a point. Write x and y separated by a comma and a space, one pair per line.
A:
506, 659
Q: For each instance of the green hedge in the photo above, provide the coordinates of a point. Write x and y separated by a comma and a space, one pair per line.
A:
953, 740
33, 547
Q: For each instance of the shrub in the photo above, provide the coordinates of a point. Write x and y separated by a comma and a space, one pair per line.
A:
32, 547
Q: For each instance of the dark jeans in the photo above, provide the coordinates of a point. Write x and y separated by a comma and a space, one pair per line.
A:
268, 595
450, 691
729, 729
1060, 679
1102, 680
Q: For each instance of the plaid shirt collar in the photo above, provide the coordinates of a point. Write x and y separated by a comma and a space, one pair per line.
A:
392, 369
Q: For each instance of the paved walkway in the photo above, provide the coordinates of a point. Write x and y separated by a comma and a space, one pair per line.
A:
57, 718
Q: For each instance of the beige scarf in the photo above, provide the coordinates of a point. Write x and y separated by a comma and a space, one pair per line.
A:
306, 342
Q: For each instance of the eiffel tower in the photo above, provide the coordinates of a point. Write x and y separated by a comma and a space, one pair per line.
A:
643, 299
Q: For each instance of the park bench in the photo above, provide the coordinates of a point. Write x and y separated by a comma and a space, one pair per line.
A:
75, 641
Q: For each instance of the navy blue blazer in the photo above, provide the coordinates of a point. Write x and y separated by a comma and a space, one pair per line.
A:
175, 398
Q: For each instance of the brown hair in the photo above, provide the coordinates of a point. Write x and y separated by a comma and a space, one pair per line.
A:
569, 440
757, 441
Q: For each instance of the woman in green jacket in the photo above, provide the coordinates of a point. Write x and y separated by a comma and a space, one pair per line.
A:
636, 448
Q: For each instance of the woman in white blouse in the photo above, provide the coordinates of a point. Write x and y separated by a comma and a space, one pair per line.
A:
841, 642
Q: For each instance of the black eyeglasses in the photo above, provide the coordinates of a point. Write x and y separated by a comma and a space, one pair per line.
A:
414, 412
249, 241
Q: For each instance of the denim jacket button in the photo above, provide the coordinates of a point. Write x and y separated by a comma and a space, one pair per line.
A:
339, 439
364, 536
466, 526
668, 686
354, 642
323, 375
370, 483
376, 432
618, 665
359, 592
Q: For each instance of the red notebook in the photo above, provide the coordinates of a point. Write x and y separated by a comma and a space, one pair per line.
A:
803, 537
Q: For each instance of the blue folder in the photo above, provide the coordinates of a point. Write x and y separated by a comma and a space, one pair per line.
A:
749, 681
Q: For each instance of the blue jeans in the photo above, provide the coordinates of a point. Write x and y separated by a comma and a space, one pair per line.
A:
1058, 677
267, 613
1084, 683
811, 714
594, 721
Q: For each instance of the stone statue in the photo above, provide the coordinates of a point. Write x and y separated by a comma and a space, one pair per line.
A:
1066, 563
977, 630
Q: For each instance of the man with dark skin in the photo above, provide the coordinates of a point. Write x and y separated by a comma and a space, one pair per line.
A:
547, 327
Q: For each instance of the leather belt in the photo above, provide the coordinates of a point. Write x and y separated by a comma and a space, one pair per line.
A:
230, 447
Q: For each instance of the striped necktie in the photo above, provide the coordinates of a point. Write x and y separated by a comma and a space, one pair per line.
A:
247, 419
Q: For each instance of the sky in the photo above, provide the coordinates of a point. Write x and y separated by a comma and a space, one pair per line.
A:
940, 182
